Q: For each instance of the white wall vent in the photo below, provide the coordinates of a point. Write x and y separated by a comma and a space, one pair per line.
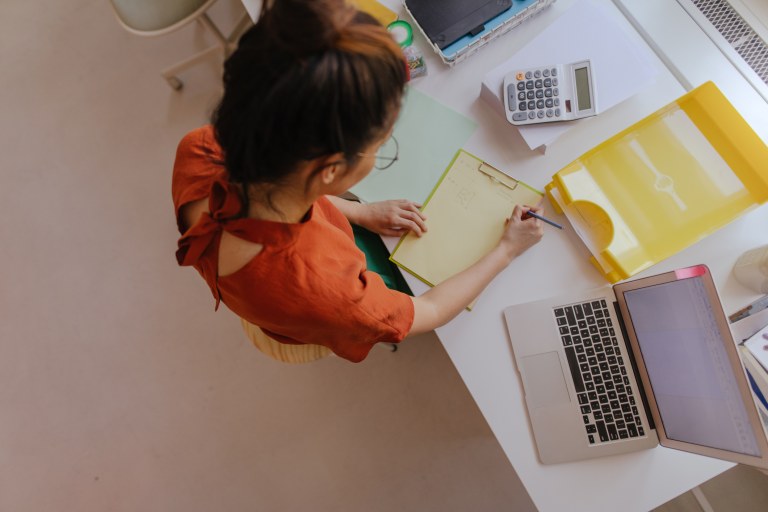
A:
742, 38
738, 34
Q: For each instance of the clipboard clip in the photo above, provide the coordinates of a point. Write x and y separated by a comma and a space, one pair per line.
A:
488, 170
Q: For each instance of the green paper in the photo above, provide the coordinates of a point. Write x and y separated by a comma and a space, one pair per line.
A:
429, 134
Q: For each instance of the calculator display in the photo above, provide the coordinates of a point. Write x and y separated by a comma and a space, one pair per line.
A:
582, 88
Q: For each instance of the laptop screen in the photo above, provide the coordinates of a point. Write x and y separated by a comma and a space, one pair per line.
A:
692, 379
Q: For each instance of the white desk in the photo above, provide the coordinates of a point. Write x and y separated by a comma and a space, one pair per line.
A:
477, 341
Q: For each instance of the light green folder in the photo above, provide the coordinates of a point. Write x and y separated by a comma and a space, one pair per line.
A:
428, 134
466, 215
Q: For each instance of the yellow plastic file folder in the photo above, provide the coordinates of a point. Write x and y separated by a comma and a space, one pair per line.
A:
664, 183
466, 213
383, 14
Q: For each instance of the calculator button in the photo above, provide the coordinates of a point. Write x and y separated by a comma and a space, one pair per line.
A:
537, 74
531, 115
520, 86
539, 93
548, 103
540, 104
531, 105
538, 83
521, 95
545, 73
520, 75
519, 116
549, 112
530, 95
557, 102
540, 114
555, 92
547, 82
554, 71
522, 106
511, 97
528, 75
554, 81
529, 84
548, 93
557, 112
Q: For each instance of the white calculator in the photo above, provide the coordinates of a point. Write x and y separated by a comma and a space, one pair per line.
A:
549, 94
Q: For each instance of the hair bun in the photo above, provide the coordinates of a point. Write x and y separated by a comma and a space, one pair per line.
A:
305, 27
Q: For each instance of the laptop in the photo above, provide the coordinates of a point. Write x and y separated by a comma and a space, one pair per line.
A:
646, 362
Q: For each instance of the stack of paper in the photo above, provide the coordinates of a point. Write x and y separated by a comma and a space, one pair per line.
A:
621, 67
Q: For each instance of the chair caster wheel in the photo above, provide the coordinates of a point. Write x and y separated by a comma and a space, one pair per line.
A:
175, 83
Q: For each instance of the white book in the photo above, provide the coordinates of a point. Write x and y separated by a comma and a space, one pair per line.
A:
758, 347
759, 378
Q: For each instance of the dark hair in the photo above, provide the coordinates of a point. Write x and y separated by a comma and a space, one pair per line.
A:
310, 78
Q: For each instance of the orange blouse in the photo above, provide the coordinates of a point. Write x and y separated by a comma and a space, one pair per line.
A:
309, 283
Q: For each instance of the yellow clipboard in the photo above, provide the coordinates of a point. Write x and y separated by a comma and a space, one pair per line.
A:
466, 214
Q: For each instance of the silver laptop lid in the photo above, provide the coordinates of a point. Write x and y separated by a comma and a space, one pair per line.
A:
697, 391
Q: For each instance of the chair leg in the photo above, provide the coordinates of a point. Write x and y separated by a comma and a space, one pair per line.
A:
224, 44
701, 499
170, 73
244, 23
207, 23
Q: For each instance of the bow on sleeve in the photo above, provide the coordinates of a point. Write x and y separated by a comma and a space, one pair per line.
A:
199, 247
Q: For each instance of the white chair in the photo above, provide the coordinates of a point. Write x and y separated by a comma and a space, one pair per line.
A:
158, 17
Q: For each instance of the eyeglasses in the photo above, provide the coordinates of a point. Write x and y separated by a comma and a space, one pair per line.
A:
388, 154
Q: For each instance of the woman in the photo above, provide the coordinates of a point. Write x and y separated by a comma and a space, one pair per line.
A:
310, 96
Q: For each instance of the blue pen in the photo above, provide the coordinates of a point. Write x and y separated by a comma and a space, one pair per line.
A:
537, 216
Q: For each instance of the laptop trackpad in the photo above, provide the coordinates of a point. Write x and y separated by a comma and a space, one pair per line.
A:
544, 380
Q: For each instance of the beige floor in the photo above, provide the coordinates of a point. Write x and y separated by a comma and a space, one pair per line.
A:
120, 389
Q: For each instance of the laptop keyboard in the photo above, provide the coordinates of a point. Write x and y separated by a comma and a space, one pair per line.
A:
607, 401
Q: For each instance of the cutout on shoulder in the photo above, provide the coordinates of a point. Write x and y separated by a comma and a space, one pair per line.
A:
235, 253
190, 213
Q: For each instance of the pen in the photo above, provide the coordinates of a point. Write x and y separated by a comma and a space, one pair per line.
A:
537, 216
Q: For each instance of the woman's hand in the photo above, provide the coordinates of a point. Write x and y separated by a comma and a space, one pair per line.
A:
392, 218
441, 303
521, 233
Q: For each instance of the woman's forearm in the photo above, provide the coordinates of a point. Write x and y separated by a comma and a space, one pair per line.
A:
446, 300
350, 209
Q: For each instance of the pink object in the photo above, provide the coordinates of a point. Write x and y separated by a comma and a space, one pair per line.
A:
695, 271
